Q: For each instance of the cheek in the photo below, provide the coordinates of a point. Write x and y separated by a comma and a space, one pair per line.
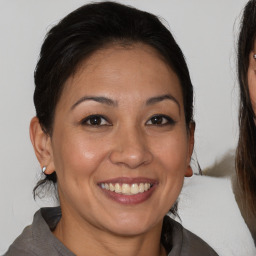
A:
252, 83
252, 91
173, 153
77, 156
172, 157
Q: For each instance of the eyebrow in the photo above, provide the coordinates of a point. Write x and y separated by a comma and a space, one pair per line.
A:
160, 98
110, 102
100, 99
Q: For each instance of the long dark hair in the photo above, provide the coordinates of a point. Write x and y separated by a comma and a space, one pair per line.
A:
246, 149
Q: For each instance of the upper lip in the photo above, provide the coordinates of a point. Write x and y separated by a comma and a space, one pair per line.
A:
129, 180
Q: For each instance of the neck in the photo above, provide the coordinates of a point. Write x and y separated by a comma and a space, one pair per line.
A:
86, 239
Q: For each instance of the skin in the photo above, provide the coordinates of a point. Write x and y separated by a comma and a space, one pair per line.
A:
252, 78
125, 144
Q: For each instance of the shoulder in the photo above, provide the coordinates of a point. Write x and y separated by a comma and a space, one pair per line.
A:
23, 245
185, 242
194, 245
37, 239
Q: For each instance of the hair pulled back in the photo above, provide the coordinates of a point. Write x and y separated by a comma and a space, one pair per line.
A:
87, 30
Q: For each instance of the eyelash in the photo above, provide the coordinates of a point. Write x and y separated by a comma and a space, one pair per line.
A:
100, 118
91, 117
169, 120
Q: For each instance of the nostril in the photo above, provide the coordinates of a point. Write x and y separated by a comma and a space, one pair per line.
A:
132, 158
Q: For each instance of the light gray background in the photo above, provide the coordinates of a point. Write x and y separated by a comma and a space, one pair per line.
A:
206, 30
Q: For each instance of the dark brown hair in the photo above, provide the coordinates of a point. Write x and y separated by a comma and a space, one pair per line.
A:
87, 30
246, 150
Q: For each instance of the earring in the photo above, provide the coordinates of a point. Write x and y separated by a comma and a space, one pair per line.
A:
254, 56
44, 169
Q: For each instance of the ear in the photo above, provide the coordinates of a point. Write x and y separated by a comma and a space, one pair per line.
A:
191, 132
41, 142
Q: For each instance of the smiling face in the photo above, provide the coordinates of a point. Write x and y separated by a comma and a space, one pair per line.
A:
120, 145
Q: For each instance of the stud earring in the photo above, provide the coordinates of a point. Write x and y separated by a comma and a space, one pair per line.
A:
254, 56
44, 169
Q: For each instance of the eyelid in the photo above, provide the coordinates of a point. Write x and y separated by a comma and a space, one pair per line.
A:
86, 119
170, 121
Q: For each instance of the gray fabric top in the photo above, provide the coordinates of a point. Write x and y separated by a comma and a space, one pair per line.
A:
38, 240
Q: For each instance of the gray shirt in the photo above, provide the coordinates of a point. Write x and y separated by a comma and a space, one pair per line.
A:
38, 240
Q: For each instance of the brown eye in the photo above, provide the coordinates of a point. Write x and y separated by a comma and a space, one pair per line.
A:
95, 120
160, 120
157, 120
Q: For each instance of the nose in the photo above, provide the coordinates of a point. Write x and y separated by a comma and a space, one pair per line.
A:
130, 149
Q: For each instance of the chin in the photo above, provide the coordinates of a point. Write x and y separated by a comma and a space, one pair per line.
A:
132, 225
130, 230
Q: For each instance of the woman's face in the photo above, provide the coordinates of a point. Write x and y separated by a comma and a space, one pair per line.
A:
252, 78
120, 146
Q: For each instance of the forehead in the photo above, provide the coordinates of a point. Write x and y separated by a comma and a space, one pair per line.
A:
137, 70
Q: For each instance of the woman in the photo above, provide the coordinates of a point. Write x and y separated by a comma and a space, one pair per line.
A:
246, 150
114, 128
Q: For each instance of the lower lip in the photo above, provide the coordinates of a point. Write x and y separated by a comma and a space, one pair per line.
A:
129, 199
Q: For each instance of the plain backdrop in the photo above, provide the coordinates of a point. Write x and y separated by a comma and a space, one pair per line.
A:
206, 31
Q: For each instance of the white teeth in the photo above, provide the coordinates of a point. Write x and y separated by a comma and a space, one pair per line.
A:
141, 188
118, 188
147, 186
111, 187
126, 189
134, 189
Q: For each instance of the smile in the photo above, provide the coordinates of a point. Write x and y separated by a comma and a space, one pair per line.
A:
126, 189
